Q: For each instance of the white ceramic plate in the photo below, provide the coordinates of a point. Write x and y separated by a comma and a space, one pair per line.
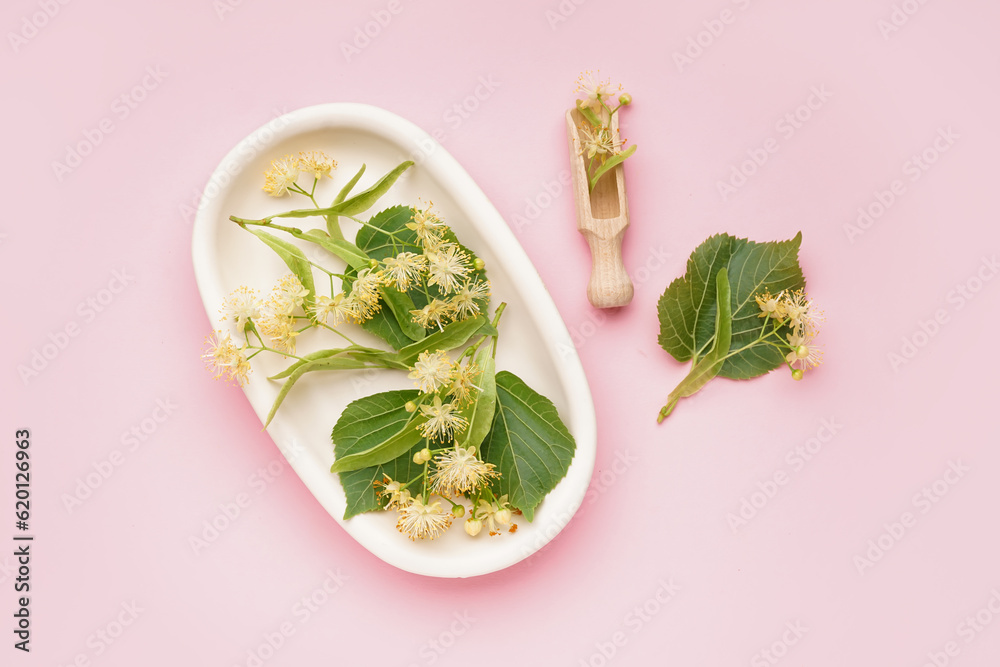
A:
533, 343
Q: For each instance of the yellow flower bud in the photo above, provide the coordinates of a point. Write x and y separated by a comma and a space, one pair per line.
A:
797, 374
625, 99
473, 526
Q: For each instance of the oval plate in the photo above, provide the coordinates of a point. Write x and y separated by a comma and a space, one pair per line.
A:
533, 343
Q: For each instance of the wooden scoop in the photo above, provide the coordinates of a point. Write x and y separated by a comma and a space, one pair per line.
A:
602, 217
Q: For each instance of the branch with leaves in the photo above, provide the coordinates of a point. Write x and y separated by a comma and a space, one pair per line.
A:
739, 312
598, 141
468, 439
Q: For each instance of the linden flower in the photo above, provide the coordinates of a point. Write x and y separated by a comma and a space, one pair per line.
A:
473, 526
495, 515
464, 382
242, 306
364, 297
433, 313
280, 175
317, 163
592, 88
419, 521
465, 303
443, 421
438, 244
281, 330
225, 359
287, 295
804, 354
801, 313
334, 311
596, 141
394, 491
365, 286
771, 306
446, 268
361, 311
427, 225
459, 471
404, 269
432, 371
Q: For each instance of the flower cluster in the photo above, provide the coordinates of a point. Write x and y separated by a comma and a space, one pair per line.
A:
445, 283
443, 264
226, 360
437, 377
454, 472
280, 177
597, 139
794, 310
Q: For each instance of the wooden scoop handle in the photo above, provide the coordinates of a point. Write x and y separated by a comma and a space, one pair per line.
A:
609, 285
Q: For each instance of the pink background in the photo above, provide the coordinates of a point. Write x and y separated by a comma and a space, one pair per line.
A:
661, 496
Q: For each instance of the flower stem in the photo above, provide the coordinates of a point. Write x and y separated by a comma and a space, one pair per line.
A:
336, 331
498, 313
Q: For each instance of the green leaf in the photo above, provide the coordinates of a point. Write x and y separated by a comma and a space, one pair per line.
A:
384, 325
708, 366
394, 446
687, 308
353, 256
610, 164
296, 261
364, 424
332, 223
754, 268
528, 443
452, 336
386, 235
480, 412
359, 203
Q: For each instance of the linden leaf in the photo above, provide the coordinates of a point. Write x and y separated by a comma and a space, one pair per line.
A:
528, 443
687, 309
365, 424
